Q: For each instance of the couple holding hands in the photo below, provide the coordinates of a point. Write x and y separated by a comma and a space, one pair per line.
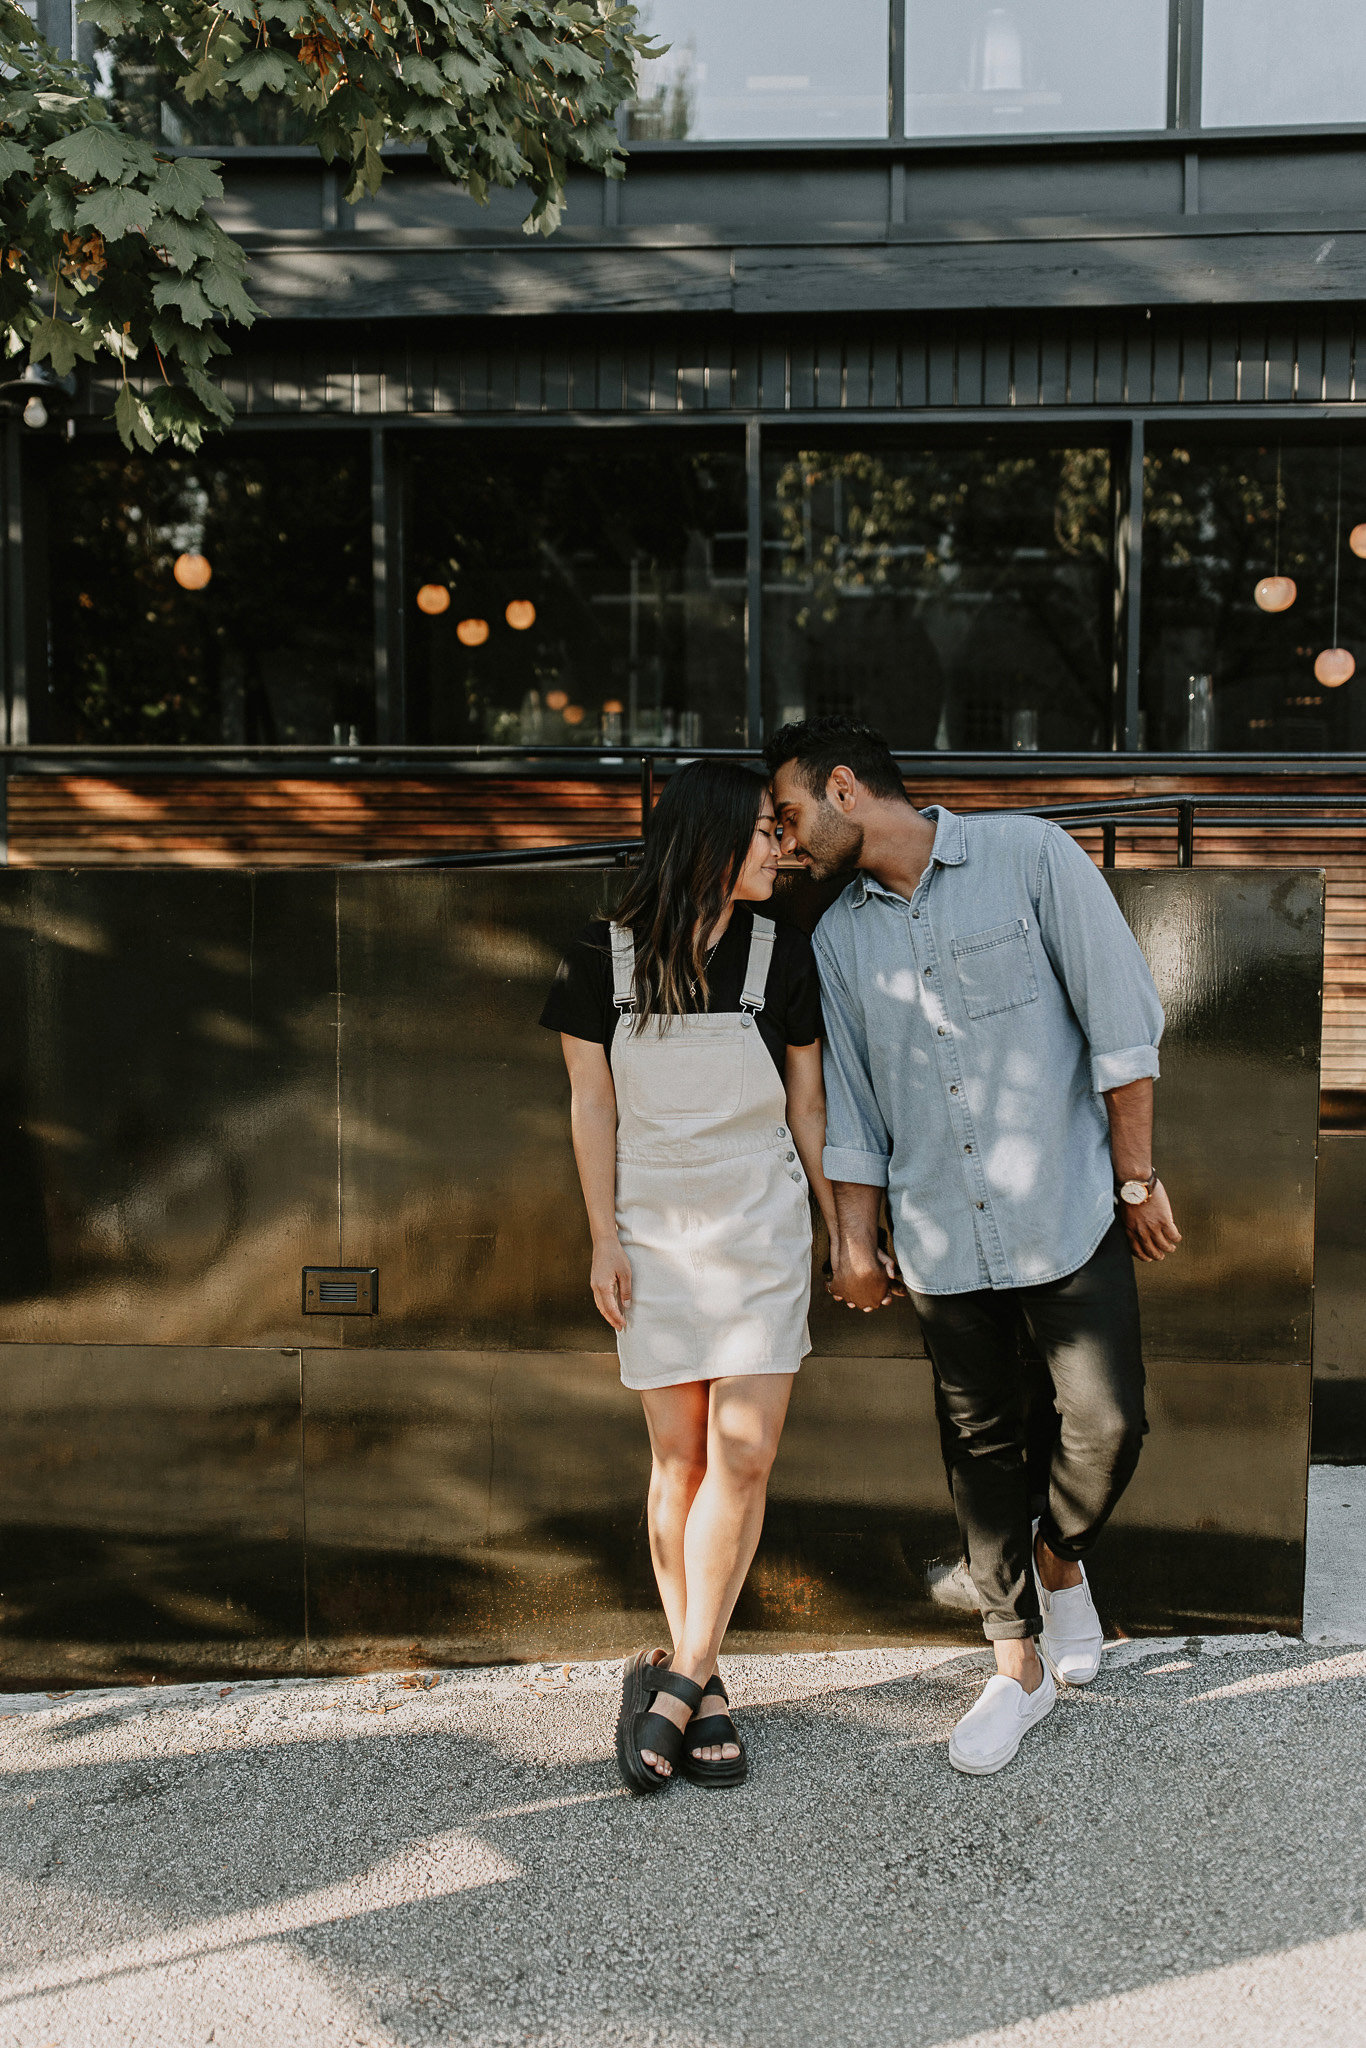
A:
971, 1035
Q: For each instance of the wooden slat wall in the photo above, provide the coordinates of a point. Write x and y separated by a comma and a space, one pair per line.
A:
190, 821
1179, 357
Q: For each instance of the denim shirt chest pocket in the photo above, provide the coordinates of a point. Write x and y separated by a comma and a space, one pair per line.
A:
996, 969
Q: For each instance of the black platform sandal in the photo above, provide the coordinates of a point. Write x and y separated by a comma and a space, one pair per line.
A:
709, 1733
639, 1728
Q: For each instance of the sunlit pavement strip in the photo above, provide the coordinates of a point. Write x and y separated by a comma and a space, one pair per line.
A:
1176, 1857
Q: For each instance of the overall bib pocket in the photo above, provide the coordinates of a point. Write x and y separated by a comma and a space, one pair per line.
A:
687, 1077
995, 969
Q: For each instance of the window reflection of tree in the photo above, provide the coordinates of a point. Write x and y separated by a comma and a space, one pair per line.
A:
990, 574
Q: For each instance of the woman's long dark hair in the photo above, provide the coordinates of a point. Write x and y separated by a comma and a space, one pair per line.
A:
695, 846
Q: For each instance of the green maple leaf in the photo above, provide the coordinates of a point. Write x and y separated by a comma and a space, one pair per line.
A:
61, 344
185, 185
133, 420
209, 394
116, 210
223, 285
185, 295
13, 159
93, 153
264, 71
184, 241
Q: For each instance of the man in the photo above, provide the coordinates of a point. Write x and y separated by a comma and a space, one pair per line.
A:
991, 1048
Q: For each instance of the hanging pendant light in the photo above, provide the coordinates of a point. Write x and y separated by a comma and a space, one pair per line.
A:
472, 632
520, 614
433, 599
1336, 666
1356, 540
1276, 593
192, 571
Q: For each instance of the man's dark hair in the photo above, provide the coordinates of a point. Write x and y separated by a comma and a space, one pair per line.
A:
820, 745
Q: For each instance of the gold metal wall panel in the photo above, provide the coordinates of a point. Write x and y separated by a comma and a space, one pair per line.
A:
151, 1513
1238, 961
457, 1175
468, 1507
168, 1105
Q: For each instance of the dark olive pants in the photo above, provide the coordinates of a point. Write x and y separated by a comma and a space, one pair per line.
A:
1085, 1329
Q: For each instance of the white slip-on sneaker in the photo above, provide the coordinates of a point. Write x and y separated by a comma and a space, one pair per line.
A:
1072, 1638
991, 1731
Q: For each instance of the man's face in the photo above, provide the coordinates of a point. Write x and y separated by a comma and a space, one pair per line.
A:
815, 831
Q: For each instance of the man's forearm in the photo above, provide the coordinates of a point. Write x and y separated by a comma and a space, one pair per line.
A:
1130, 1111
857, 1208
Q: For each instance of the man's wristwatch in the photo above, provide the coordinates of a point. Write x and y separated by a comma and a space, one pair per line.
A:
1136, 1192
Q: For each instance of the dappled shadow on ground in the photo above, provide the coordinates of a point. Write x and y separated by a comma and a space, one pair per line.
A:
465, 1869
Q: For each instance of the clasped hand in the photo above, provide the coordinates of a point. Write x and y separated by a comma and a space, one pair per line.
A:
864, 1278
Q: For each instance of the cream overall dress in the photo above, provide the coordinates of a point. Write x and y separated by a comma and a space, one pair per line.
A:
712, 1207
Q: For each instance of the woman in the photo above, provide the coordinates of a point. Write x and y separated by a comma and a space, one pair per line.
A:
691, 1030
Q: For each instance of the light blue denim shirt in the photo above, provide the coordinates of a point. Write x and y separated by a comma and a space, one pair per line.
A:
969, 1036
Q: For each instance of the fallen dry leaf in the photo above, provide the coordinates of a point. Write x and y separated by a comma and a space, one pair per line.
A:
418, 1681
223, 1691
61, 1695
382, 1707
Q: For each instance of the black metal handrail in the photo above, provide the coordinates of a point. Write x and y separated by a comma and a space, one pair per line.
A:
1284, 812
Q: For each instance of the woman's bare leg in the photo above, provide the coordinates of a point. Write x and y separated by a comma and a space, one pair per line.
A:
677, 1419
727, 1513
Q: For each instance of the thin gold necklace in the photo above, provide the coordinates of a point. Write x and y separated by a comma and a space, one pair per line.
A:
692, 985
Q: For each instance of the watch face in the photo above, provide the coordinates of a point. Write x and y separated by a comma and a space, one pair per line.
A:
1134, 1192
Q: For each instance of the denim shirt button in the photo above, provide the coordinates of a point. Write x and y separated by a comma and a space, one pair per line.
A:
943, 1030
967, 1148
981, 1205
929, 970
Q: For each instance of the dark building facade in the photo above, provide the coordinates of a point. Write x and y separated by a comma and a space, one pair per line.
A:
964, 366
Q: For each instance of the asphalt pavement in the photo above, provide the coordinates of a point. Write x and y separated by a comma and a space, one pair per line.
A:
1177, 1856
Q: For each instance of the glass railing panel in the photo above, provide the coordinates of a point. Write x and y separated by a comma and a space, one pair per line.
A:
1294, 63
784, 70
1223, 523
1035, 66
576, 590
957, 597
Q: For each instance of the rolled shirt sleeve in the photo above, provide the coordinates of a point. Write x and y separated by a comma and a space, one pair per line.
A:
1100, 964
858, 1146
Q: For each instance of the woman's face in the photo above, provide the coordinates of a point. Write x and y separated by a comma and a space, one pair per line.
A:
760, 870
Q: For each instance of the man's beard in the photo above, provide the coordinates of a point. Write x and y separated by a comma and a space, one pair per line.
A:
833, 846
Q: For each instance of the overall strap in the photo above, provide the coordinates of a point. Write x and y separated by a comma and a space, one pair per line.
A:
623, 967
760, 960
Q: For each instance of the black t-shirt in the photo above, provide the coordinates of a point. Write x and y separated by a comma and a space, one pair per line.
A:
580, 1001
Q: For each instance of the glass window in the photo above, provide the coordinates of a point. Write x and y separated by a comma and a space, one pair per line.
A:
1284, 64
1035, 66
789, 69
957, 597
219, 596
1219, 672
584, 589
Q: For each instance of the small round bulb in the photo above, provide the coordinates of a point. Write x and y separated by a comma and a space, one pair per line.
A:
1275, 594
35, 412
1334, 667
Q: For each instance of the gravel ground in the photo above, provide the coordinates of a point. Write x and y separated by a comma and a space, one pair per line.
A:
1178, 1855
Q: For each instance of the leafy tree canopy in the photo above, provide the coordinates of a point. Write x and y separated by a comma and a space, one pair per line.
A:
108, 246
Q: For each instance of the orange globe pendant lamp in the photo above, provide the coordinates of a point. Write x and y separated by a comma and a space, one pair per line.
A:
472, 632
433, 599
1334, 667
1275, 594
520, 614
1356, 540
192, 572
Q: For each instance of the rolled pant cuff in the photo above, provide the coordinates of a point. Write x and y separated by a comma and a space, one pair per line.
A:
1011, 1631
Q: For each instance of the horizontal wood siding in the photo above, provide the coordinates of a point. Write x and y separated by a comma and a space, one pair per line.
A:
193, 821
